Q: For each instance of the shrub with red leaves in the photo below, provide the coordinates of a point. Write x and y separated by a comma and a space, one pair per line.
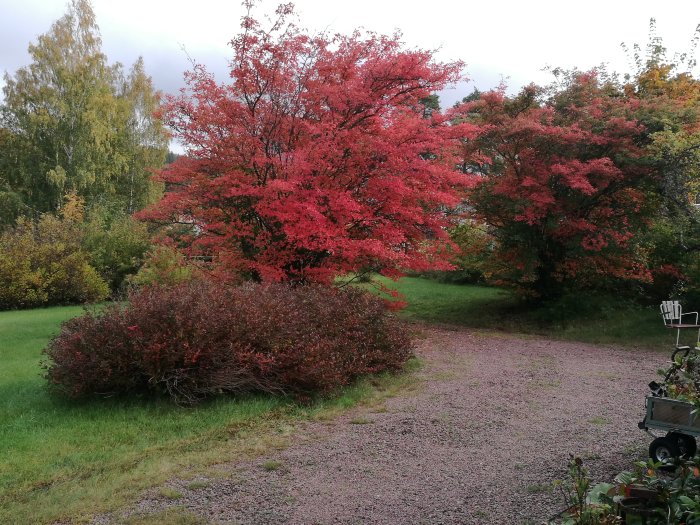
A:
197, 339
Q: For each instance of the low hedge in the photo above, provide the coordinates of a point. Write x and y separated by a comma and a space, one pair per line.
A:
198, 338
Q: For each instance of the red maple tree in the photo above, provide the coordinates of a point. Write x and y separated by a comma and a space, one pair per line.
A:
317, 158
559, 183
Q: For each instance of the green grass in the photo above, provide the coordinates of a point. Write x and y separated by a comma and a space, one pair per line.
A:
581, 318
171, 516
63, 460
169, 493
68, 461
271, 465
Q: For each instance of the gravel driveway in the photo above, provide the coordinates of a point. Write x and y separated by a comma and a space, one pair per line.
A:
480, 443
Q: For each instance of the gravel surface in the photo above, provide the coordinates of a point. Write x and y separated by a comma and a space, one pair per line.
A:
480, 442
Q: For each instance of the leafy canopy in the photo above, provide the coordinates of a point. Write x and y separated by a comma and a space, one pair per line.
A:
559, 183
317, 158
72, 123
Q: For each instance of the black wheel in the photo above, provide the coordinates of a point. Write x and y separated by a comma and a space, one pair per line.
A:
664, 449
686, 444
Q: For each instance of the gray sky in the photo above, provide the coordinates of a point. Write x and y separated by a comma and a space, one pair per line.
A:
497, 39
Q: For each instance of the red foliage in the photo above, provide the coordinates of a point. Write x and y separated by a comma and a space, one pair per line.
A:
316, 159
198, 339
559, 182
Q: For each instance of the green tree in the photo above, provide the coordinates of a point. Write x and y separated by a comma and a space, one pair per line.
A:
143, 142
76, 124
431, 103
11, 205
667, 94
668, 98
471, 97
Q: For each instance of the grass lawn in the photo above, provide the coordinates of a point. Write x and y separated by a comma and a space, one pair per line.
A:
69, 461
61, 460
593, 320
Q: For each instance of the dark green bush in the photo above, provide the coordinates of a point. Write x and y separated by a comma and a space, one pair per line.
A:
117, 245
474, 263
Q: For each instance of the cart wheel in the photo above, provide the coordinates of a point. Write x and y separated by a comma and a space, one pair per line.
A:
686, 444
664, 449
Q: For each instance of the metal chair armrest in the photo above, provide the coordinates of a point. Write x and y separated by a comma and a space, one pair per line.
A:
691, 313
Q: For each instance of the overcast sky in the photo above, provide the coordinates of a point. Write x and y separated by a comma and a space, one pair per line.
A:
513, 40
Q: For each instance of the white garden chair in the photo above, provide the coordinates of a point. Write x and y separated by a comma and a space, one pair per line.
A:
672, 314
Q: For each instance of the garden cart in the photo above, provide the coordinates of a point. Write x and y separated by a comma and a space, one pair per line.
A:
677, 419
